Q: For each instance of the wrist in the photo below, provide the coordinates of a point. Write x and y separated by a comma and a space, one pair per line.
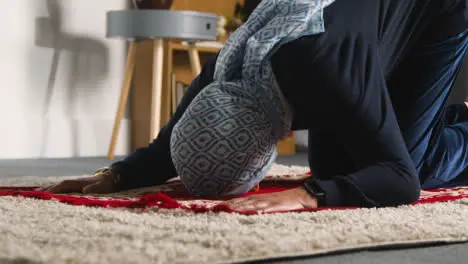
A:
308, 200
315, 190
112, 176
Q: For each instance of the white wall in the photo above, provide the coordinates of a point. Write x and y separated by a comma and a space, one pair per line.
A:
59, 78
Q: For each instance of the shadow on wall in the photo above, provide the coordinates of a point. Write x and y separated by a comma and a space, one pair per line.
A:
87, 65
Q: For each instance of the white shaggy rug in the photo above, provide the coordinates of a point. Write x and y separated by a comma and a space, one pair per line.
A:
39, 231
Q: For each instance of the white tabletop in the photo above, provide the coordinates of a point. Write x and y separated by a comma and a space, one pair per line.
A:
160, 24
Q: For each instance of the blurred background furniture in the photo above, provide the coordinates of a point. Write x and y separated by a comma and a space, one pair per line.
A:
155, 26
182, 62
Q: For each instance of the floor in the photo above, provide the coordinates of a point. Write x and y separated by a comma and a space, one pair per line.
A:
452, 254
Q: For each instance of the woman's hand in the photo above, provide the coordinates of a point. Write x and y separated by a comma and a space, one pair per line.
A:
104, 181
289, 200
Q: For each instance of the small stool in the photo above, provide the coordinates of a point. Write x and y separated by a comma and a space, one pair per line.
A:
137, 25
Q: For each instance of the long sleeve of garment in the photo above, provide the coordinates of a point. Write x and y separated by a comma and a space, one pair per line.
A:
152, 165
362, 120
336, 85
359, 66
382, 172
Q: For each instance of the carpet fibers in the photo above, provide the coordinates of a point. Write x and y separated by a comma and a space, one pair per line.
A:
49, 231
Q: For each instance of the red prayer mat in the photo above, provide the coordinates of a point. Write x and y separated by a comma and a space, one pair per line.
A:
173, 195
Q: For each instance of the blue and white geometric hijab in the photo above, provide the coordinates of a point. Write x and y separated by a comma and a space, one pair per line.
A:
225, 142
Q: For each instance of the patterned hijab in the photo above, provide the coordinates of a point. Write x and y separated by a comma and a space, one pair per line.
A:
226, 140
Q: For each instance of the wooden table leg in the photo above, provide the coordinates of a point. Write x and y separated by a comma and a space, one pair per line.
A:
129, 69
194, 57
156, 100
168, 82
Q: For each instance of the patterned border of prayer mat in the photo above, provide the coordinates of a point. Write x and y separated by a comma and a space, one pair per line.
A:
165, 225
173, 195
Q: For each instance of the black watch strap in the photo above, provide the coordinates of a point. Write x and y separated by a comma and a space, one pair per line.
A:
314, 189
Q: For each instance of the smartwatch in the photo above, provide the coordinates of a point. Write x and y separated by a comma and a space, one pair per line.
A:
313, 188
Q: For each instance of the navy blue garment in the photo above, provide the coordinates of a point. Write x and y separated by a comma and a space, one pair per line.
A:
436, 135
388, 70
384, 69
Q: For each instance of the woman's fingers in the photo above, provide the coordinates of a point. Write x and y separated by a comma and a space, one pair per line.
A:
248, 204
65, 187
264, 206
69, 186
93, 184
251, 207
289, 200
